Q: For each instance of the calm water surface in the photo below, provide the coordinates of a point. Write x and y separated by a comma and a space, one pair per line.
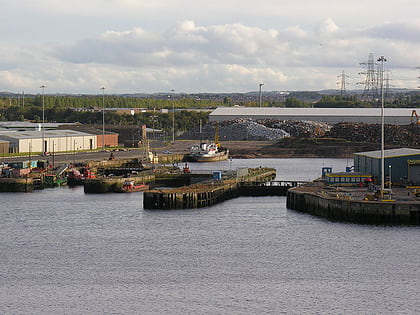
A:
64, 252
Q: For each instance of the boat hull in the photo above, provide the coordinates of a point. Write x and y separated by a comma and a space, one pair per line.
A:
219, 156
134, 189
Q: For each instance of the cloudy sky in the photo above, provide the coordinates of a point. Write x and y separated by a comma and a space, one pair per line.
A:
139, 46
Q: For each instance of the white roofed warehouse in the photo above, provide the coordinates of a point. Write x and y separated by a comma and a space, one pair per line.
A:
54, 141
394, 116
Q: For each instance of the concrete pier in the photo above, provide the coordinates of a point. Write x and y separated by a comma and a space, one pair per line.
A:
203, 194
16, 184
112, 184
338, 208
194, 196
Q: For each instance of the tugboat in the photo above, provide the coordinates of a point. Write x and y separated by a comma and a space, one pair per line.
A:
209, 152
130, 186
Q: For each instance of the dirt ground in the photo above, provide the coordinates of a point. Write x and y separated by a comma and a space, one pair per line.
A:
272, 149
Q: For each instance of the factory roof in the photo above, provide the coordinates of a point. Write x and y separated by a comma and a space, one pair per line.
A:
31, 125
38, 134
390, 153
87, 129
299, 111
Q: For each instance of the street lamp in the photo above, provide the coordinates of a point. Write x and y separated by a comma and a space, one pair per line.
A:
261, 84
154, 119
173, 119
43, 120
103, 117
382, 60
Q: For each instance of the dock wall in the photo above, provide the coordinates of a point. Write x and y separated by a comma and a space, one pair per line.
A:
204, 195
189, 198
110, 184
16, 184
355, 211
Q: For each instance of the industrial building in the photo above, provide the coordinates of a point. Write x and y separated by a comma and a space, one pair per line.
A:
16, 133
395, 116
28, 125
54, 140
397, 163
103, 138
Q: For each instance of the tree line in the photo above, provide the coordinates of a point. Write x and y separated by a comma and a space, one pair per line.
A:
88, 109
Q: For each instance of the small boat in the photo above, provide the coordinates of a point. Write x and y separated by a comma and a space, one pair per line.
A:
76, 177
130, 186
208, 152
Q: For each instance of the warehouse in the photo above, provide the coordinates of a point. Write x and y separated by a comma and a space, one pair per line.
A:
395, 116
396, 162
27, 125
104, 138
54, 141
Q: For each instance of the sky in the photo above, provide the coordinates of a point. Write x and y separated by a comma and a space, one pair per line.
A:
138, 46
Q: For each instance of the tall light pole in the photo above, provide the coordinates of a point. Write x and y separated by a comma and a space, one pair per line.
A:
173, 118
261, 84
390, 178
382, 60
43, 120
103, 117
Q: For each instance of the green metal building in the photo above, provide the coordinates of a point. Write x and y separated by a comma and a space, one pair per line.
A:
396, 163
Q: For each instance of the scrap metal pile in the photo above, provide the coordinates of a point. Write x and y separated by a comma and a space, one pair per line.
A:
399, 135
270, 129
263, 130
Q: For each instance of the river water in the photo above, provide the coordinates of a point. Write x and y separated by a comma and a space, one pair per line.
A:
65, 252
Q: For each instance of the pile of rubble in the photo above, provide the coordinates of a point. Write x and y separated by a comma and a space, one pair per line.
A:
303, 128
262, 130
270, 129
396, 135
250, 130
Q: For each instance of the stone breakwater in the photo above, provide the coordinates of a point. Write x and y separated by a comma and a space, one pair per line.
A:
311, 200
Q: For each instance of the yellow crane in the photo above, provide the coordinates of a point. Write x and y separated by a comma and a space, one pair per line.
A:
216, 136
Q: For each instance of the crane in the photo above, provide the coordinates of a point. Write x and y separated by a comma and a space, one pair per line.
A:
415, 120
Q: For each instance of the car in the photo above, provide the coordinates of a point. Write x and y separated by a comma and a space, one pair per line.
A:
166, 152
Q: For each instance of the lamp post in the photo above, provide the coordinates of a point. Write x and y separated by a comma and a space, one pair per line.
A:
173, 118
382, 60
43, 120
103, 117
53, 154
74, 152
261, 84
154, 119
390, 178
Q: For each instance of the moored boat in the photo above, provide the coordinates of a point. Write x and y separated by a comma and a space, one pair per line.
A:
76, 177
208, 152
130, 186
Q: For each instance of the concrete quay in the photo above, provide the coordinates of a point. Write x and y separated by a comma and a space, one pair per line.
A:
25, 184
349, 204
203, 194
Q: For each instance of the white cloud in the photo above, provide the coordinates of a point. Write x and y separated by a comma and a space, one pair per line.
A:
221, 57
